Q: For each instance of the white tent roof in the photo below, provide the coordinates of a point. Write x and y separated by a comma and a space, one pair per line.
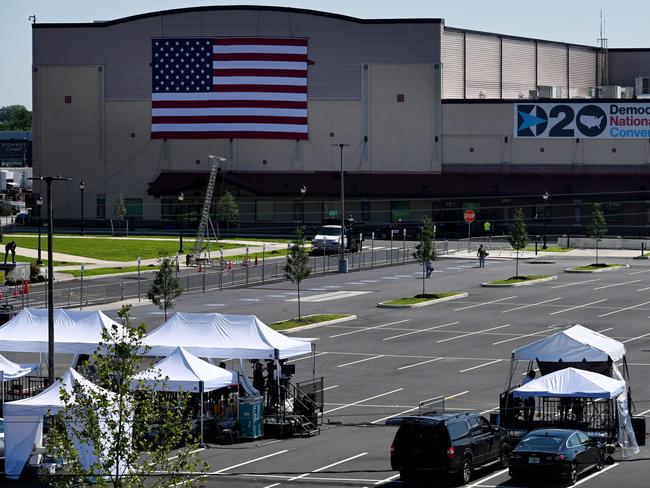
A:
10, 370
214, 335
184, 371
572, 345
75, 332
572, 382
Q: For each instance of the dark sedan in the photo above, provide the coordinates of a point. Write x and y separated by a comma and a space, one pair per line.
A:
560, 453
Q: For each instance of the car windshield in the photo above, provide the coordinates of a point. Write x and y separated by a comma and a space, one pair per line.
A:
541, 442
329, 231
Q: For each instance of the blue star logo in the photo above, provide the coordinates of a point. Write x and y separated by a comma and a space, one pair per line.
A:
532, 120
529, 120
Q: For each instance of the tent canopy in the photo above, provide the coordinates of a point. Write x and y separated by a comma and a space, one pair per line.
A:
183, 371
10, 370
574, 344
75, 332
572, 382
213, 335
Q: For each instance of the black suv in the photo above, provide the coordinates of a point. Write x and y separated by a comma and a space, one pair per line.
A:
446, 443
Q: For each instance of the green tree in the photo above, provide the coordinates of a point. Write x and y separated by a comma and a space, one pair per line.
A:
165, 286
597, 227
227, 209
297, 267
15, 117
119, 423
518, 237
5, 208
424, 250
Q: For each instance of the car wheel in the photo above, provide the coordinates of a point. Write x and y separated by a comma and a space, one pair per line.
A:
600, 462
573, 473
466, 473
504, 456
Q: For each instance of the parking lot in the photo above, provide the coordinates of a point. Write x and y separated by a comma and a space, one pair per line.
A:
386, 361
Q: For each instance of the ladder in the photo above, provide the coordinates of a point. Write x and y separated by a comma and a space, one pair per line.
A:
199, 243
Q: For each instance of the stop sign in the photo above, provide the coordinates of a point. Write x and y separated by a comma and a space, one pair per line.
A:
469, 216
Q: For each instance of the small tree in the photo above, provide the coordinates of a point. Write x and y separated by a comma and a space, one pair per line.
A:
117, 423
297, 267
597, 227
518, 237
227, 209
424, 250
120, 210
165, 286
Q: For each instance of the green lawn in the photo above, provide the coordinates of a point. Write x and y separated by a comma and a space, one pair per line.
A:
427, 297
518, 279
549, 249
113, 249
106, 271
312, 319
33, 260
592, 267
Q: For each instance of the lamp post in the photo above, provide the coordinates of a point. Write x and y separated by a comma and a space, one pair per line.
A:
181, 197
50, 274
545, 198
82, 187
39, 204
303, 192
343, 263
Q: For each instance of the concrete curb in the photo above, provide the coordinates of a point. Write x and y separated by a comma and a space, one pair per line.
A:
521, 283
540, 261
640, 257
313, 326
600, 270
424, 304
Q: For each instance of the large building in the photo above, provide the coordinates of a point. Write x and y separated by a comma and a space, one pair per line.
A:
435, 119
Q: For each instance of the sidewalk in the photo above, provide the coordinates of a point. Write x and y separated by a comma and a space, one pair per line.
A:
575, 253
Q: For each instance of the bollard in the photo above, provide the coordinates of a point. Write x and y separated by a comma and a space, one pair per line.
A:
642, 252
122, 291
535, 248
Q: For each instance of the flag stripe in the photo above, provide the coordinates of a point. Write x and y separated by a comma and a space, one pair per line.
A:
227, 104
229, 135
229, 119
256, 48
257, 40
296, 73
290, 65
239, 126
191, 112
257, 80
262, 88
259, 57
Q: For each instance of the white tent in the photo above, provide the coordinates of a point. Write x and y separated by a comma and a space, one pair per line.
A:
574, 344
213, 335
11, 371
75, 332
184, 371
24, 422
572, 382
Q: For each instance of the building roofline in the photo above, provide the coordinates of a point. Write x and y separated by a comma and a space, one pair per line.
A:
518, 38
239, 7
629, 49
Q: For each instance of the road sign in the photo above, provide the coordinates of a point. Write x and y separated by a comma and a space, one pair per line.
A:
469, 216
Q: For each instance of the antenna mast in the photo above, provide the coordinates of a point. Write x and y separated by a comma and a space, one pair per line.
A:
603, 61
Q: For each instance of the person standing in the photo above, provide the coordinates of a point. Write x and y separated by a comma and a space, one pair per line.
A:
429, 267
529, 403
481, 253
258, 379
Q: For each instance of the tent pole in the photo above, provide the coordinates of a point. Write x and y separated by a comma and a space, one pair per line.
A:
313, 362
202, 444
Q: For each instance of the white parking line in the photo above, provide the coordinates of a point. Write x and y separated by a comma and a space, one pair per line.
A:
487, 478
420, 330
418, 407
273, 485
479, 366
369, 328
617, 284
623, 309
576, 283
420, 363
473, 333
644, 289
328, 466
644, 412
639, 272
635, 338
578, 306
292, 360
332, 295
518, 337
597, 473
387, 480
484, 303
361, 360
249, 462
531, 305
362, 401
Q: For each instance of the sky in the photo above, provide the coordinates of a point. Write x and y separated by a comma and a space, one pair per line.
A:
574, 21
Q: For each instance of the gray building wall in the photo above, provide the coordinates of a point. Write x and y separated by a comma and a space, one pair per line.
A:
627, 64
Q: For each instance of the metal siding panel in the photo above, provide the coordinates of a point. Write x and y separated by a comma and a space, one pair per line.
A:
483, 66
337, 47
552, 64
582, 71
452, 54
625, 66
518, 68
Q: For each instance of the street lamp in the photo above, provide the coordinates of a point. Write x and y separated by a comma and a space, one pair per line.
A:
546, 211
50, 273
303, 192
343, 263
82, 187
181, 197
39, 204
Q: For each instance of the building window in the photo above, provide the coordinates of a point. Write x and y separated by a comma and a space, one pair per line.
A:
613, 212
133, 208
101, 206
299, 211
400, 210
365, 211
264, 211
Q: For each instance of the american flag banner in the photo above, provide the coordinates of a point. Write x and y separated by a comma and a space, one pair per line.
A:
219, 88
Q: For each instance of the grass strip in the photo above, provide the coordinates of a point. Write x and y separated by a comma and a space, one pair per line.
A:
311, 319
591, 267
427, 297
549, 249
33, 260
518, 279
107, 271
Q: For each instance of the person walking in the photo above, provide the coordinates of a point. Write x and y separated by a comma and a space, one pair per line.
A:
429, 268
481, 253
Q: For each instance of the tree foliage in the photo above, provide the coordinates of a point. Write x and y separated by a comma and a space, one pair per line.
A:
518, 237
227, 209
6, 209
118, 423
425, 250
166, 286
15, 117
597, 227
297, 267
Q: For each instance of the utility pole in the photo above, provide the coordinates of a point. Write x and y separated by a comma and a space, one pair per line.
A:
343, 263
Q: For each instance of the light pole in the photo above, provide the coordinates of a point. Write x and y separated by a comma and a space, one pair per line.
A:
39, 204
303, 192
82, 187
50, 274
181, 197
343, 263
546, 211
